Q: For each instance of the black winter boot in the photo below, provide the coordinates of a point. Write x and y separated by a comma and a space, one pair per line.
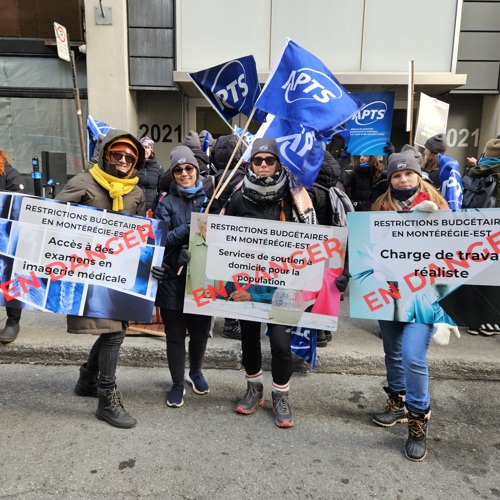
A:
87, 383
10, 332
416, 445
321, 340
394, 411
111, 409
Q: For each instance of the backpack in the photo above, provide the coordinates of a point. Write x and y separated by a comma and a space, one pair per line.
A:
340, 204
479, 192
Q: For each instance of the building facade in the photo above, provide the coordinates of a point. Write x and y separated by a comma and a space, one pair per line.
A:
133, 60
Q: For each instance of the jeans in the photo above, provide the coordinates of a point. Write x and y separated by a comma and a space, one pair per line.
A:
176, 323
103, 358
405, 347
281, 352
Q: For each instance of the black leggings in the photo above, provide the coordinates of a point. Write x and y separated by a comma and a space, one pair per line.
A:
176, 323
281, 353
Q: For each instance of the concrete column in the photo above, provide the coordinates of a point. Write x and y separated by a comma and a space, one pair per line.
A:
109, 98
490, 125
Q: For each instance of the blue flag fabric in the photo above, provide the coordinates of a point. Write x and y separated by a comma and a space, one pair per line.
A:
450, 181
231, 87
205, 144
303, 342
95, 128
301, 148
302, 89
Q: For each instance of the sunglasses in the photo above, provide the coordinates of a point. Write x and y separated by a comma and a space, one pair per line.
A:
116, 156
270, 161
178, 170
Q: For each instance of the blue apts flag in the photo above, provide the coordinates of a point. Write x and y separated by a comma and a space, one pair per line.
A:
301, 148
303, 344
302, 89
231, 87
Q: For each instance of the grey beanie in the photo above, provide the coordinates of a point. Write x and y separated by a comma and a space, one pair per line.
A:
436, 143
192, 140
201, 136
265, 145
412, 150
402, 161
181, 155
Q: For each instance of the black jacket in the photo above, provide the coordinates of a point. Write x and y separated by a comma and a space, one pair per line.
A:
149, 182
175, 210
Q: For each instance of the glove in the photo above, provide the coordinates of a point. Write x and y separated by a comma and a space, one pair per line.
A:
184, 256
342, 281
389, 149
343, 155
158, 273
443, 332
425, 206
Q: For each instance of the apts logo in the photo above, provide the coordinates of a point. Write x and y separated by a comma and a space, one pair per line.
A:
307, 83
230, 90
294, 147
371, 113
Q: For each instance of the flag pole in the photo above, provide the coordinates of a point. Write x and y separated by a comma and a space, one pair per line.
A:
218, 190
411, 101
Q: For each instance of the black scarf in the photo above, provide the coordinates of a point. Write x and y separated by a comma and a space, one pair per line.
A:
265, 189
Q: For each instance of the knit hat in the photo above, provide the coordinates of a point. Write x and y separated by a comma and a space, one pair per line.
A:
402, 161
125, 145
147, 142
412, 150
181, 155
265, 145
492, 148
192, 140
201, 136
436, 144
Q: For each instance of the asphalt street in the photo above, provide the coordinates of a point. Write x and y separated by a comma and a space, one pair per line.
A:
52, 446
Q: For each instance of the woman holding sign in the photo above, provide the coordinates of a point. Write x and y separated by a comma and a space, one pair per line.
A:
266, 193
406, 343
185, 196
110, 184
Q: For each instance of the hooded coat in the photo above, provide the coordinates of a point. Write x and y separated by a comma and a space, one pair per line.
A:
84, 190
486, 166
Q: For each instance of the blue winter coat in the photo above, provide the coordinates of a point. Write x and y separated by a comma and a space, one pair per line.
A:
175, 209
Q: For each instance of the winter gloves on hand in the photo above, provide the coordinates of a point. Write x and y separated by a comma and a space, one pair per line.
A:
443, 332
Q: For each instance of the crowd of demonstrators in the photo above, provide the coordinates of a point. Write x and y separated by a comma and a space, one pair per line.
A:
360, 182
443, 170
488, 163
267, 193
407, 338
110, 184
184, 197
150, 175
10, 180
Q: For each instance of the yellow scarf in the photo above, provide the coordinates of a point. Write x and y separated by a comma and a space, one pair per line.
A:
117, 187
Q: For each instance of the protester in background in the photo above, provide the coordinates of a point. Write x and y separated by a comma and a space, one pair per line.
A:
406, 344
489, 163
267, 193
149, 176
192, 141
185, 196
110, 184
444, 171
361, 181
10, 180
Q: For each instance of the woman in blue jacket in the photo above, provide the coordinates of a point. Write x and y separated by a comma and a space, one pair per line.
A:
185, 196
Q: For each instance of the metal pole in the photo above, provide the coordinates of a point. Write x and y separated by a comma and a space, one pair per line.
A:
412, 100
78, 108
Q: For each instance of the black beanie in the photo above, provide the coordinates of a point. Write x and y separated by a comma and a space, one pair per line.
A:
436, 144
265, 145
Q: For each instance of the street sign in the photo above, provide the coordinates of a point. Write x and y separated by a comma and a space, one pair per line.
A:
62, 41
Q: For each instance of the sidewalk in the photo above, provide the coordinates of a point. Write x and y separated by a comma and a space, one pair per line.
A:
355, 349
